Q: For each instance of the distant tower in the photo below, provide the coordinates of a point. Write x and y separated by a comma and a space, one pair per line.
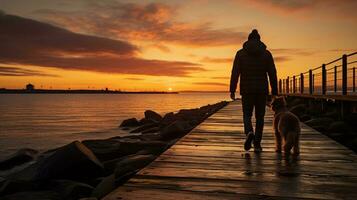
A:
30, 87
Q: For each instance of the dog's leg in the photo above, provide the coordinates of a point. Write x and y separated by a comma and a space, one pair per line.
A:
296, 148
277, 141
289, 142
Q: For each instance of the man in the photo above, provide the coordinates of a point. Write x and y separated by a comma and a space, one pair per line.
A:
254, 63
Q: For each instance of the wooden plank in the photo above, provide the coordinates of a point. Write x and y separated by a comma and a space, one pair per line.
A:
210, 163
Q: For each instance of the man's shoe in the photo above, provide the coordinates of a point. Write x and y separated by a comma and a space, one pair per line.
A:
258, 148
248, 141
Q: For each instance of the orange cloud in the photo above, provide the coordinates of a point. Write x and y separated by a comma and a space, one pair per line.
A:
217, 60
154, 22
49, 46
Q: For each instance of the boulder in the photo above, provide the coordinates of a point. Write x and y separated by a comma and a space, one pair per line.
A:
175, 130
13, 186
305, 117
151, 130
70, 189
20, 157
298, 110
322, 121
167, 119
144, 127
104, 187
132, 122
73, 161
338, 127
132, 163
132, 147
106, 149
31, 195
152, 115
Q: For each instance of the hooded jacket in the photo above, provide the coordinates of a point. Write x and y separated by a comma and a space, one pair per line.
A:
253, 64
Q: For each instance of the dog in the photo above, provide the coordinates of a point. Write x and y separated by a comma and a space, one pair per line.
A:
286, 127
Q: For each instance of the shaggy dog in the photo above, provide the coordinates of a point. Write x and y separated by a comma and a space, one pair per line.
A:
286, 127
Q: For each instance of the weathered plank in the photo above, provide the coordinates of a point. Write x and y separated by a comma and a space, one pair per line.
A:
210, 163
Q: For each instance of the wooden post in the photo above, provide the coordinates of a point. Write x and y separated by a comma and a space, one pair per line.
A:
354, 79
323, 79
302, 83
335, 80
287, 85
294, 85
344, 74
310, 81
313, 83
284, 86
280, 89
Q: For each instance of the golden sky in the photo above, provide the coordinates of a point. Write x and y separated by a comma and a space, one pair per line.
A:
156, 45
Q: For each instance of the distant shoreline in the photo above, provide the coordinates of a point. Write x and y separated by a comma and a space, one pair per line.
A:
44, 91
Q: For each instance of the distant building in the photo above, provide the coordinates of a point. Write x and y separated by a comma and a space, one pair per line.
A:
30, 87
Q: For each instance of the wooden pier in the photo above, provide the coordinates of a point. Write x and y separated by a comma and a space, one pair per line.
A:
210, 163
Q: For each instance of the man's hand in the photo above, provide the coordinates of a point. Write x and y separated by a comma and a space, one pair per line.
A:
233, 96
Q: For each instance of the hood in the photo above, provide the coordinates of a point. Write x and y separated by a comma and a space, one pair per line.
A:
254, 47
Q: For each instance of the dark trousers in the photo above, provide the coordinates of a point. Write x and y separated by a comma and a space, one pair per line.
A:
258, 103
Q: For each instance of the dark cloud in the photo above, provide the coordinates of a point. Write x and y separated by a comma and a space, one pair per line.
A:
29, 42
16, 71
279, 59
150, 22
211, 83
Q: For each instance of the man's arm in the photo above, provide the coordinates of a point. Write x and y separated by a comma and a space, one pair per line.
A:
272, 75
235, 75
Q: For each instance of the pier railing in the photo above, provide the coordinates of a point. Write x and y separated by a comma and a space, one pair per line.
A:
337, 77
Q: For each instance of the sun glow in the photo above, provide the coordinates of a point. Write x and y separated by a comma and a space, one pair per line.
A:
170, 89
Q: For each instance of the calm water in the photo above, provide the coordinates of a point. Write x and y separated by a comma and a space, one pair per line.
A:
44, 121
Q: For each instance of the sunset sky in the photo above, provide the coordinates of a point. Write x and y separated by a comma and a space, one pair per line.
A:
157, 45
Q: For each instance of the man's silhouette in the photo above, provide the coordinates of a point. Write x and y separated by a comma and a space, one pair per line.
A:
254, 63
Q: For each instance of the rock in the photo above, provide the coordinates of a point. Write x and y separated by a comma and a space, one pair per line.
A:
104, 187
88, 198
167, 119
106, 149
152, 115
338, 127
132, 147
322, 121
132, 163
13, 186
151, 130
32, 195
304, 118
298, 110
20, 157
70, 189
175, 130
144, 127
130, 123
73, 161
294, 101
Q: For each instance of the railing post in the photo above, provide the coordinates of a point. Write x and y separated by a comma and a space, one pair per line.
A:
313, 83
294, 85
354, 79
335, 80
302, 83
344, 74
287, 85
280, 91
310, 81
323, 79
283, 86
